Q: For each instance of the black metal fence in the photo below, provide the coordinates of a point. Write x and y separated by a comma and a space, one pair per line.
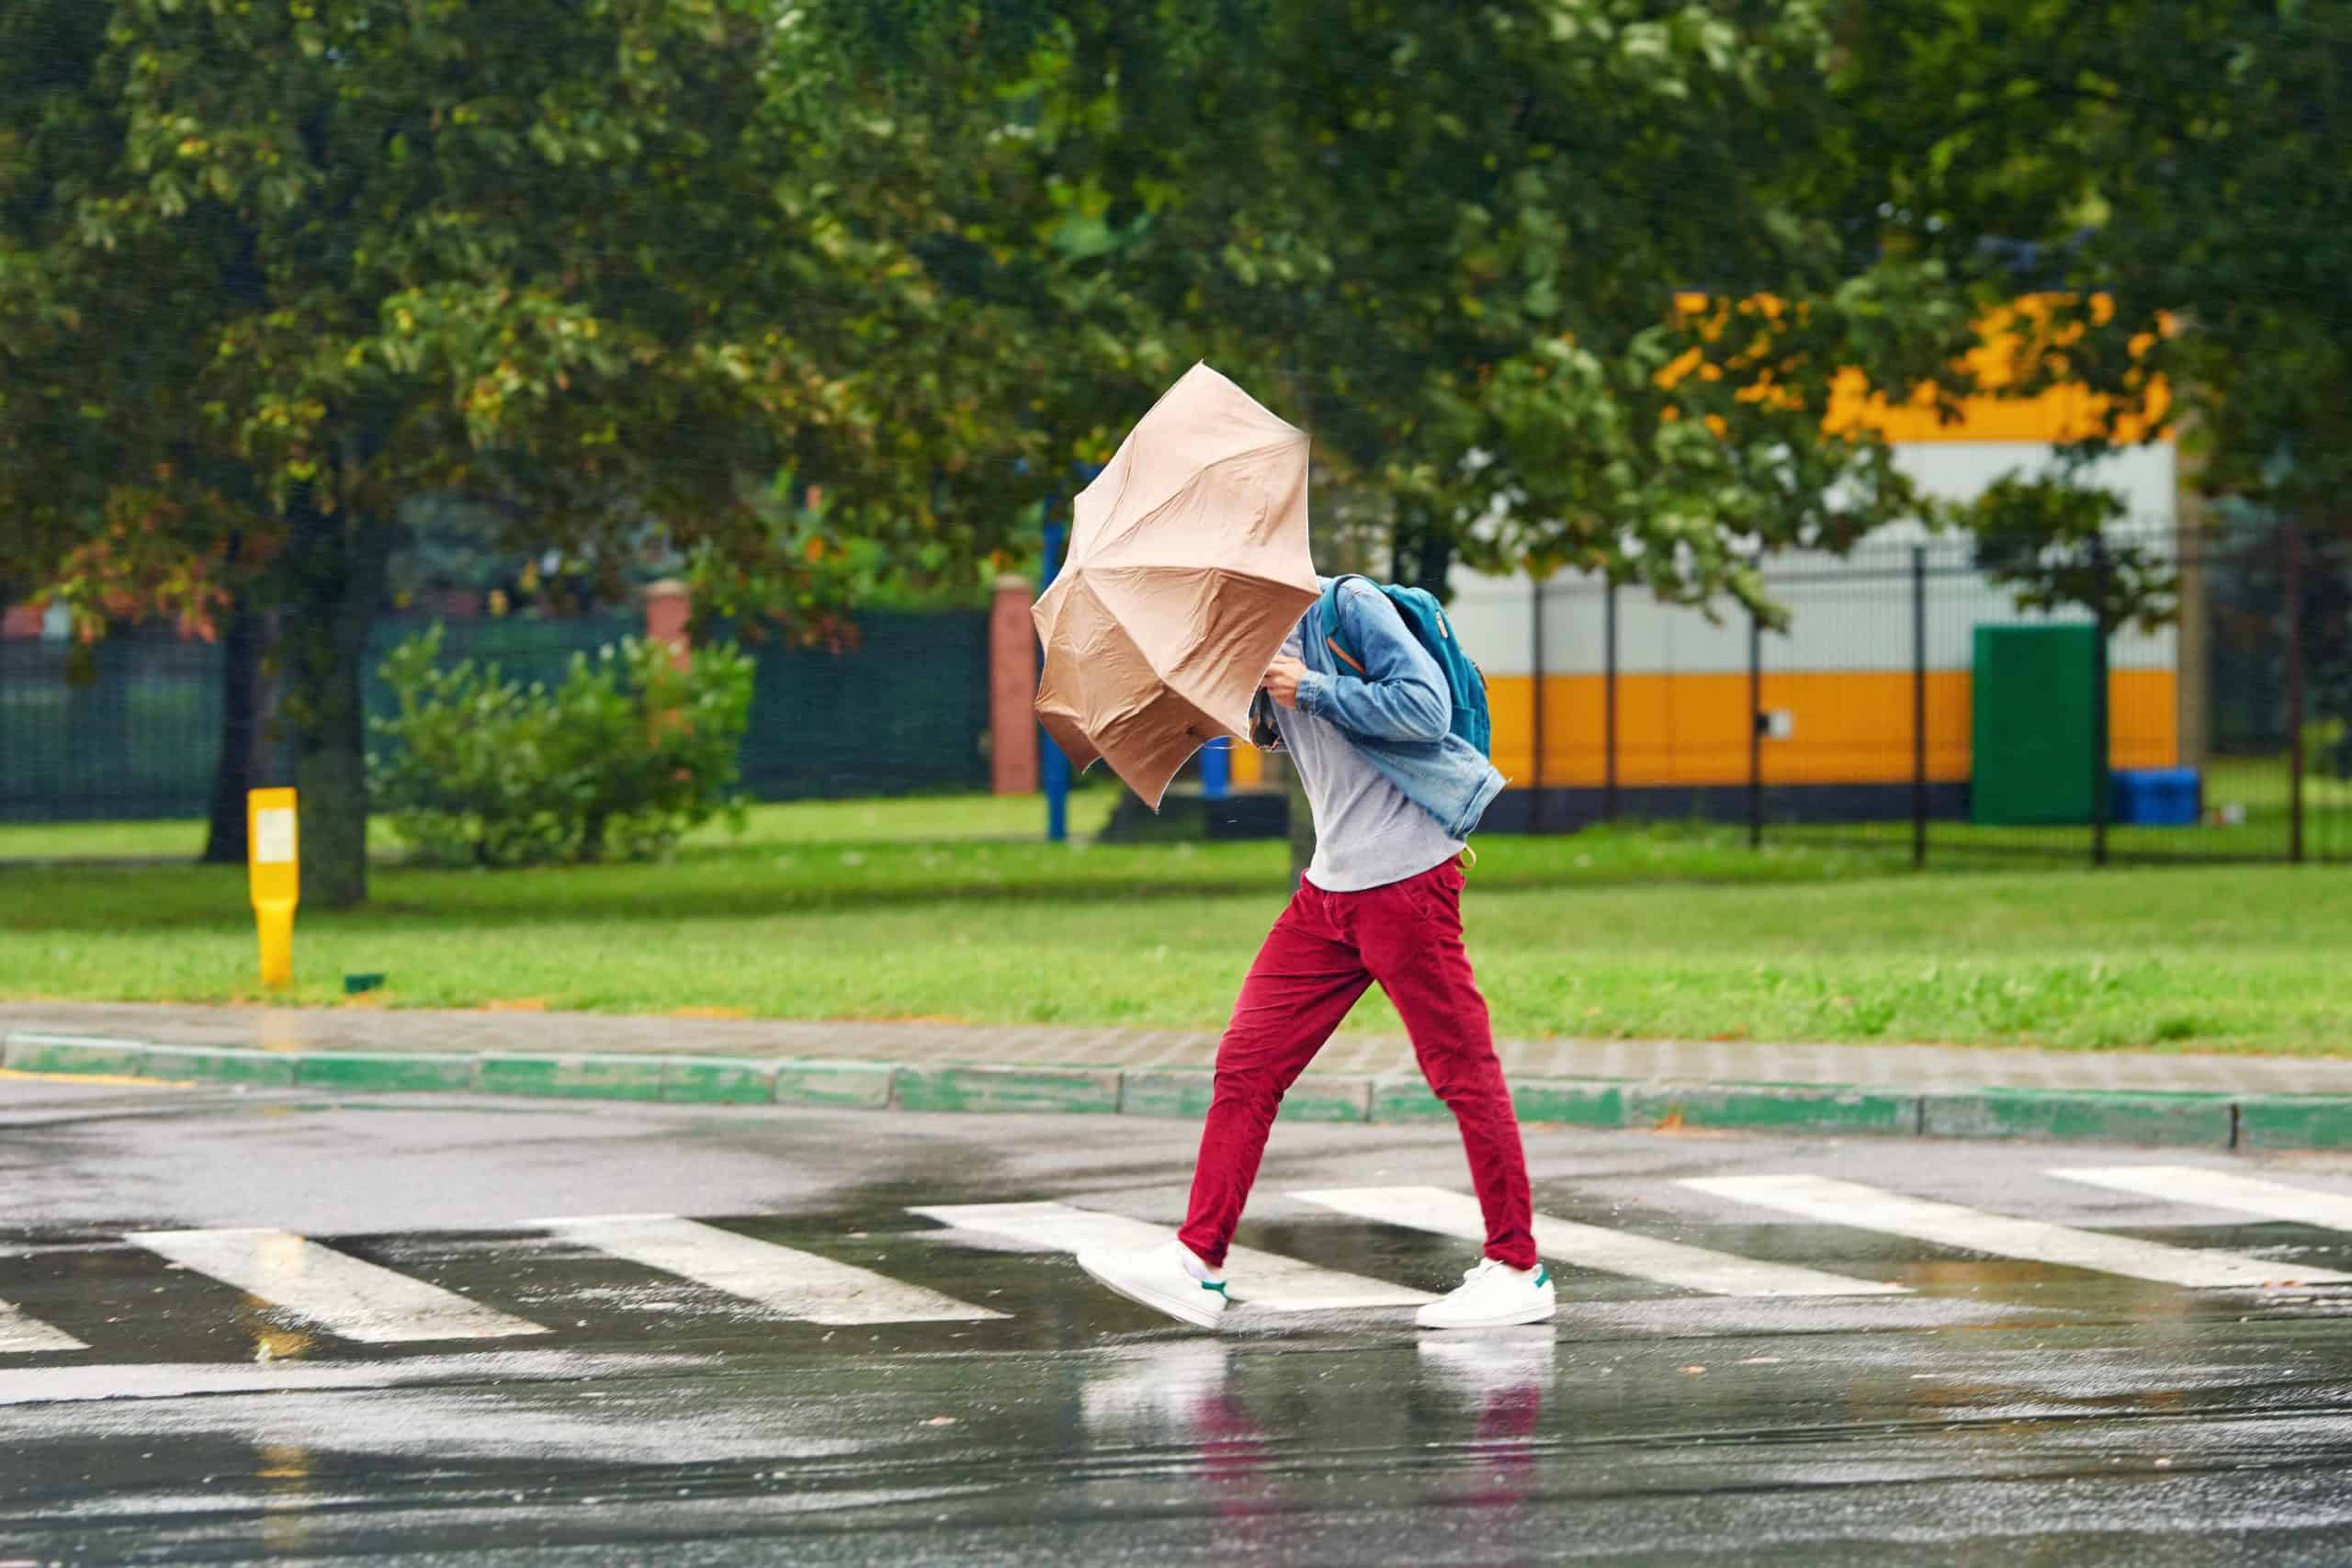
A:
2154, 696
905, 708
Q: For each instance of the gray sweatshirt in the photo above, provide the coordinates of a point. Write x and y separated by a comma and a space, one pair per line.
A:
1368, 832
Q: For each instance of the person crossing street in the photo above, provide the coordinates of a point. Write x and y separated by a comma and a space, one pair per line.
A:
1381, 733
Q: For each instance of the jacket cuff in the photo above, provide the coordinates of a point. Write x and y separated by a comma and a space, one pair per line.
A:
1313, 686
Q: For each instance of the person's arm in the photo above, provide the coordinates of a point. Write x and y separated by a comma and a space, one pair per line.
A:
1401, 695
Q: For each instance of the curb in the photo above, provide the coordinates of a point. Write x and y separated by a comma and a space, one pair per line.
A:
2150, 1119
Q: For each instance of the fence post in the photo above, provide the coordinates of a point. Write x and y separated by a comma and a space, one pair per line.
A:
1012, 689
1755, 730
1056, 763
668, 609
1535, 682
1609, 703
2102, 784
2293, 543
1919, 705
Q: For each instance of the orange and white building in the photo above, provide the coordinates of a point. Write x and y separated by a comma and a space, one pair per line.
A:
1842, 691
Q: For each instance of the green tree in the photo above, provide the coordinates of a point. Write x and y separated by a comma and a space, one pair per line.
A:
2177, 171
288, 265
1450, 239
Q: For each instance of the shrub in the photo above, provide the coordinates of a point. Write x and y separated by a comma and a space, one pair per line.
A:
628, 754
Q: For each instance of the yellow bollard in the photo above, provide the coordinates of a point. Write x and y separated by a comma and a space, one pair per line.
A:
274, 866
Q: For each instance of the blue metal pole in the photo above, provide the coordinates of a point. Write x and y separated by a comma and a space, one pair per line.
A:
1216, 769
1054, 766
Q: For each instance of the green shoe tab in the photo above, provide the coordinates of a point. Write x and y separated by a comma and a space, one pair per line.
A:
1542, 1274
1216, 1285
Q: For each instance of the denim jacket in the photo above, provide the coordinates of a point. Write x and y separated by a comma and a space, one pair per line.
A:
1398, 711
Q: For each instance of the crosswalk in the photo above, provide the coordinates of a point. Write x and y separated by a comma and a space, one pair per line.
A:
1261, 1279
2224, 1189
23, 1336
329, 1289
784, 1279
1835, 1203
1457, 1215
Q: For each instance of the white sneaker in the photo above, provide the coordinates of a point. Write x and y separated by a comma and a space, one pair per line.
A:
1492, 1295
1161, 1278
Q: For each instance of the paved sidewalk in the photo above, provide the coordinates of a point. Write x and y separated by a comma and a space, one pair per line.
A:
1912, 1067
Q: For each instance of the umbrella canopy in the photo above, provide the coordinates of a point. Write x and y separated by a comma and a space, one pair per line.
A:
1187, 566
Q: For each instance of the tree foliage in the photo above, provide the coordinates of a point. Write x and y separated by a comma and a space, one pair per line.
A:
1450, 239
2177, 172
285, 265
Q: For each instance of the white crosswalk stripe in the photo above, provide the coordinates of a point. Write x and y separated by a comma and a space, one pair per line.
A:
897, 1278
1262, 1278
1436, 1209
24, 1335
2222, 1190
1949, 1225
338, 1292
797, 1284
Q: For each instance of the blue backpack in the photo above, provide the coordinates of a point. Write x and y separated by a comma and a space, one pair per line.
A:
1426, 618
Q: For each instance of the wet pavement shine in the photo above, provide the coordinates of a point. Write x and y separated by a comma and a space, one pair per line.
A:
271, 1327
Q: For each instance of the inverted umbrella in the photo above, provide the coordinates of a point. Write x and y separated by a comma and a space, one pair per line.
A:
1188, 565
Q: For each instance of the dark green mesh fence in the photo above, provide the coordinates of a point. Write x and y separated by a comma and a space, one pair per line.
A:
141, 740
905, 709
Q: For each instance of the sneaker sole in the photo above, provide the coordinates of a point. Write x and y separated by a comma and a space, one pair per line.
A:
1183, 1312
1529, 1315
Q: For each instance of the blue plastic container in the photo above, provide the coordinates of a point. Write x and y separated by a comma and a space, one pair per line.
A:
2158, 797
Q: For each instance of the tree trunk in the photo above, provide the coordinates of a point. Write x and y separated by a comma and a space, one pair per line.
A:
336, 572
245, 730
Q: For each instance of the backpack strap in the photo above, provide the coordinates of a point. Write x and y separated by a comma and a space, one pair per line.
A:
1332, 628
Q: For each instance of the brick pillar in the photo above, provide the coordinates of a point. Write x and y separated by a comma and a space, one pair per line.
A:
1012, 690
668, 608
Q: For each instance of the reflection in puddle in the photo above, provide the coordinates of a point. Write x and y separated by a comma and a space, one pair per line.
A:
1504, 1373
1181, 1396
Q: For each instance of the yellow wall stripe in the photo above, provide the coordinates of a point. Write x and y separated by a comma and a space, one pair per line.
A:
1848, 727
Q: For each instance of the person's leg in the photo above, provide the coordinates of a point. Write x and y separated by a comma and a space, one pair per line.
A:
1303, 982
1412, 943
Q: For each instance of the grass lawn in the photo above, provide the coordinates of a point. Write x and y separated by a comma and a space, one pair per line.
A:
794, 822
927, 908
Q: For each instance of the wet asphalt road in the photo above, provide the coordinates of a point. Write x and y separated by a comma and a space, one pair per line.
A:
1995, 1410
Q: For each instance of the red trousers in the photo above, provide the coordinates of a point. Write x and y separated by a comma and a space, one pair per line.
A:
1323, 954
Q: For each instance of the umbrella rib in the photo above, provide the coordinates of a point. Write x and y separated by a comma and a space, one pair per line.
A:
1127, 471
1290, 430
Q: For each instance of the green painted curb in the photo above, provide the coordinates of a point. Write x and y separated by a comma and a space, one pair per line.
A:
582, 1077
220, 1064
1569, 1102
864, 1086
1574, 1102
2089, 1116
1093, 1091
1406, 1096
74, 1053
2145, 1118
1186, 1091
717, 1081
1772, 1108
2294, 1121
384, 1072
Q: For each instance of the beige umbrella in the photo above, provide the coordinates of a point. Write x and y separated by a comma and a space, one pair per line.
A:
1187, 566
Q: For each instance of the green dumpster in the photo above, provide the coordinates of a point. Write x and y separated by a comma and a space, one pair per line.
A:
2032, 723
